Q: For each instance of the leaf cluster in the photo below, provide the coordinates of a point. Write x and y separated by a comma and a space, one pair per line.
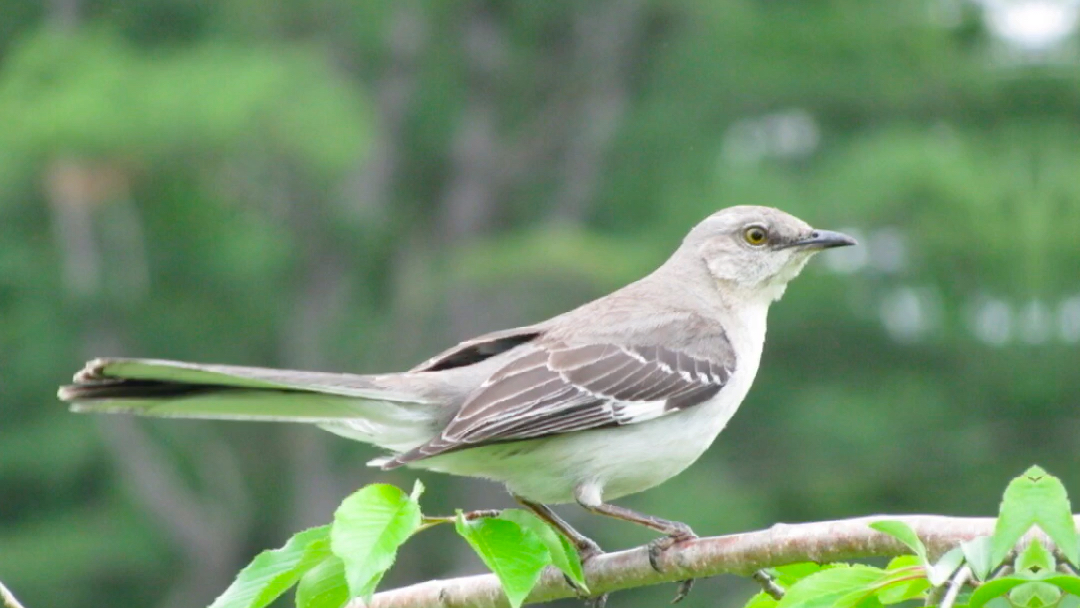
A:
347, 559
996, 571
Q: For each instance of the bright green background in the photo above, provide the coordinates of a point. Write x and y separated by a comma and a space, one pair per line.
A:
355, 185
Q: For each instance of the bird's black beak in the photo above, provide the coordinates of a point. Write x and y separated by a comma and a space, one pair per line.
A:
825, 239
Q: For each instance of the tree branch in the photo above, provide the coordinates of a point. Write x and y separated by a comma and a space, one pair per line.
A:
7, 598
739, 554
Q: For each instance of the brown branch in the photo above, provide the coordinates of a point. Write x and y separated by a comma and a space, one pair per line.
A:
740, 554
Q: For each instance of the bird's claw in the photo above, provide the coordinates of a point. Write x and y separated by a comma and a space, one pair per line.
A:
684, 590
657, 548
658, 545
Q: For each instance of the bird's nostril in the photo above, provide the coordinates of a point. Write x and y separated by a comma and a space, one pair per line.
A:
815, 234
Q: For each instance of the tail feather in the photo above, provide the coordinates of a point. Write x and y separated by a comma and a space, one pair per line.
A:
133, 377
345, 403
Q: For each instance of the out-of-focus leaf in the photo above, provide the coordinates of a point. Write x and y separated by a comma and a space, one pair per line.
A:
977, 555
993, 589
1035, 559
1070, 584
1035, 595
945, 566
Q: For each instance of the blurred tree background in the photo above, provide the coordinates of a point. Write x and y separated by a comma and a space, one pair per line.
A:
343, 185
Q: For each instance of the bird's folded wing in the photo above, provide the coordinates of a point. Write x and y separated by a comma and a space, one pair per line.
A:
561, 388
155, 387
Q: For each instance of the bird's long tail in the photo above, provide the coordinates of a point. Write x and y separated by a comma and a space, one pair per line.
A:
348, 404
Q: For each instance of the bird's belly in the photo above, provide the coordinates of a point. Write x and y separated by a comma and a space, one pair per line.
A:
615, 461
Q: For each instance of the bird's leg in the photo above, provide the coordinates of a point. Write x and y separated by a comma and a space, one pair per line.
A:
674, 532
586, 547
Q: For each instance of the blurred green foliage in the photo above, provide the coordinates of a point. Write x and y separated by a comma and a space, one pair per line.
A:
356, 185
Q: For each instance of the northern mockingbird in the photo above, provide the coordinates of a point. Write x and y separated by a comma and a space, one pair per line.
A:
611, 398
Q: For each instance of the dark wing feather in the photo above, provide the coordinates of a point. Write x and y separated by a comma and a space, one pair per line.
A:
560, 388
480, 348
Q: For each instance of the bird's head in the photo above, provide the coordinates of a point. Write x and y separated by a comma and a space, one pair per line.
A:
758, 249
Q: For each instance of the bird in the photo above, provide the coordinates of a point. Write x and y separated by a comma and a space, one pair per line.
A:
609, 399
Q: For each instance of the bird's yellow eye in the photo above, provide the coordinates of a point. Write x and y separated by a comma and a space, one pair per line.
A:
756, 235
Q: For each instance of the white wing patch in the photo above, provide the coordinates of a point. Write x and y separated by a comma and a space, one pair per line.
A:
628, 412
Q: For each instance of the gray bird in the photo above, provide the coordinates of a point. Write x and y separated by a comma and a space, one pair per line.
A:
611, 398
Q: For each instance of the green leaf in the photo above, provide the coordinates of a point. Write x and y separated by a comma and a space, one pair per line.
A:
906, 580
1035, 595
1035, 559
324, 586
902, 590
1035, 498
903, 533
790, 574
977, 555
516, 555
761, 600
1070, 584
992, 589
368, 589
945, 566
827, 588
369, 527
904, 561
273, 572
563, 555
860, 598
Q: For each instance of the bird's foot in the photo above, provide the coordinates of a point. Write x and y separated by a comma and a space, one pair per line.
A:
683, 591
587, 549
657, 548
